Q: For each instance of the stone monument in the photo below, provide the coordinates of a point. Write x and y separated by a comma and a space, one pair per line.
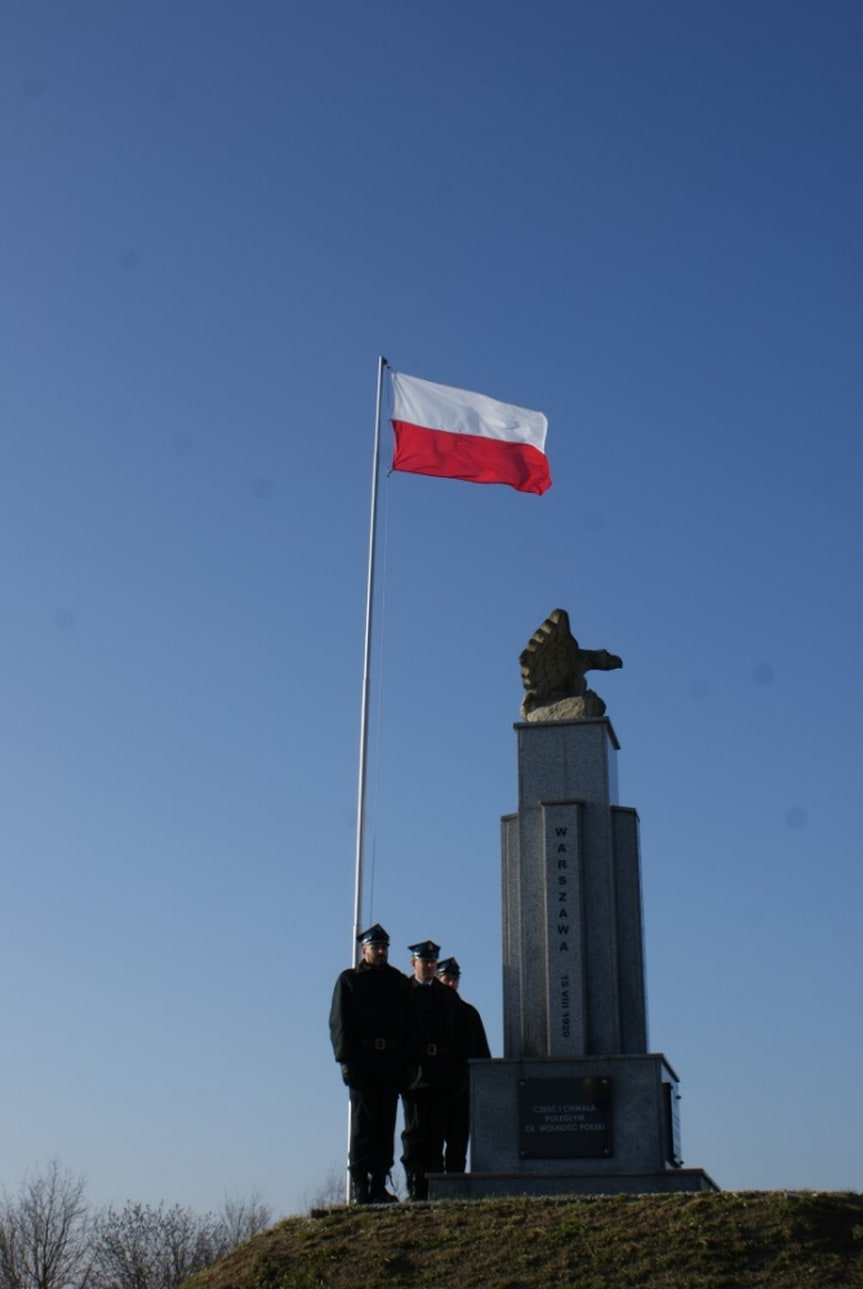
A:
577, 1104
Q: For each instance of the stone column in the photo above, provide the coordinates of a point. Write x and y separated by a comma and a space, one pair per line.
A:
572, 924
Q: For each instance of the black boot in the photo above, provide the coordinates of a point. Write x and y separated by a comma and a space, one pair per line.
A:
418, 1187
378, 1193
360, 1185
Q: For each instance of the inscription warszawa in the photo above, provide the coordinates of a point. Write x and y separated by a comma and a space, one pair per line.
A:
563, 913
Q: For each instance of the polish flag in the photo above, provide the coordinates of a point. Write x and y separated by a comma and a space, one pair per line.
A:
455, 434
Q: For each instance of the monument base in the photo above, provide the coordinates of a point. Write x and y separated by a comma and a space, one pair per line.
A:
590, 1125
499, 1185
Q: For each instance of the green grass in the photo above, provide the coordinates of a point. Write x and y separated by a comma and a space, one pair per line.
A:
774, 1239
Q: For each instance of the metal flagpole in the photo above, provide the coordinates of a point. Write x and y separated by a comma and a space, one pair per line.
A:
367, 651
364, 710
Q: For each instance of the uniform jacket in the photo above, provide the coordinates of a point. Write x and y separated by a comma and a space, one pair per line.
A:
435, 1035
473, 1033
368, 1021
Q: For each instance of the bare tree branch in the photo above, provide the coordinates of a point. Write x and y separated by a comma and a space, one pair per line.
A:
46, 1233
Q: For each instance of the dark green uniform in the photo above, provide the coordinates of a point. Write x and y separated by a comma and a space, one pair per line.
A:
434, 1063
368, 1024
473, 1045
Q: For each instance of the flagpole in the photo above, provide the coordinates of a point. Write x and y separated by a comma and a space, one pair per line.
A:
364, 714
367, 650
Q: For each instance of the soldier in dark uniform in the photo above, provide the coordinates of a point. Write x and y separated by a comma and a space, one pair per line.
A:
368, 1026
473, 1045
433, 1068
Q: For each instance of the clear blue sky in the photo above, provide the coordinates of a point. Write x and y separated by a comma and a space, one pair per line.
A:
643, 219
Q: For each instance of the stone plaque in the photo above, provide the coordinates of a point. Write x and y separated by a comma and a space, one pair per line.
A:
564, 1118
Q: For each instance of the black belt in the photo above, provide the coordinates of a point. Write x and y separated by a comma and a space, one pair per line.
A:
381, 1044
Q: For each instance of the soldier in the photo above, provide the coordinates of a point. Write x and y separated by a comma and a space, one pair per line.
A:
473, 1045
433, 1068
368, 1022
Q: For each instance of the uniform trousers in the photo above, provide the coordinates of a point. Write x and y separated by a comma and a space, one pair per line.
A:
456, 1130
425, 1111
373, 1123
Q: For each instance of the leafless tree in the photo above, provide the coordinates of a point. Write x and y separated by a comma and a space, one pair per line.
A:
330, 1192
238, 1221
50, 1238
145, 1247
46, 1233
142, 1246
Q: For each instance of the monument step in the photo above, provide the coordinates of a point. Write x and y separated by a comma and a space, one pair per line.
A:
498, 1185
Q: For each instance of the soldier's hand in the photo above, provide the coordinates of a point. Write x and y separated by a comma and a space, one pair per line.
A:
348, 1074
416, 1078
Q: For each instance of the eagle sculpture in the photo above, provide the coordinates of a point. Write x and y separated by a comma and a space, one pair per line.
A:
553, 666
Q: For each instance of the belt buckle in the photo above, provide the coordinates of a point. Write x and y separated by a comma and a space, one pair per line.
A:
431, 1049
380, 1044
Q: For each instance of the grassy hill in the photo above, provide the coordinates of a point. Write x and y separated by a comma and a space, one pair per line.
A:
775, 1239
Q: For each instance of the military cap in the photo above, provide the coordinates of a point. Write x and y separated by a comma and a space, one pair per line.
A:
426, 950
448, 967
375, 935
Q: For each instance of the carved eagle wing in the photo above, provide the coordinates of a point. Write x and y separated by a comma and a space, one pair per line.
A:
549, 662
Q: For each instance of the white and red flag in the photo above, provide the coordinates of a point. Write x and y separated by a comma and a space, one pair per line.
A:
456, 434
